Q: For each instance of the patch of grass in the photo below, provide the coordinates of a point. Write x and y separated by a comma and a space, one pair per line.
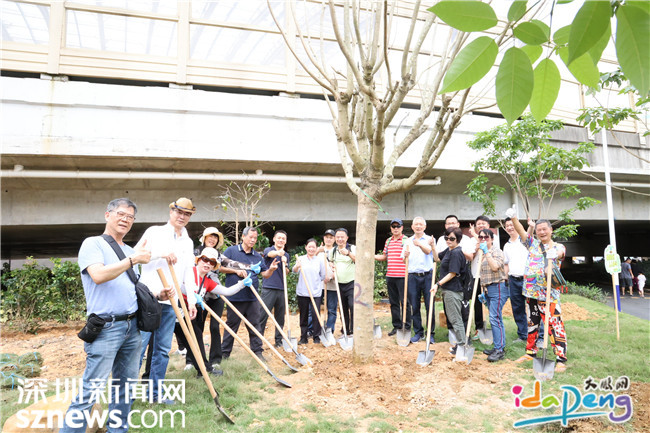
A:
310, 407
380, 415
381, 427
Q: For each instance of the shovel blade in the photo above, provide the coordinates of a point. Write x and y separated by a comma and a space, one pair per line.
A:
376, 332
291, 367
303, 360
222, 410
329, 336
485, 335
324, 339
291, 345
425, 357
464, 353
403, 337
346, 343
452, 338
543, 368
277, 379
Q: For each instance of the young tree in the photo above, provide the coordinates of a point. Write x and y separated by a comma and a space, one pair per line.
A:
536, 170
238, 202
383, 45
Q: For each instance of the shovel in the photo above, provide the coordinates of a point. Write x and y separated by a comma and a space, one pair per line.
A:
404, 335
302, 359
258, 333
288, 344
543, 369
326, 337
376, 330
465, 353
244, 345
194, 347
346, 342
485, 334
425, 358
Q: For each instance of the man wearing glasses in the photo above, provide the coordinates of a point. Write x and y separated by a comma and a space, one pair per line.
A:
170, 246
395, 271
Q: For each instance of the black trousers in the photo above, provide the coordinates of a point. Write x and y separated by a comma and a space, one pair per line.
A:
197, 326
251, 311
347, 304
215, 330
395, 286
305, 308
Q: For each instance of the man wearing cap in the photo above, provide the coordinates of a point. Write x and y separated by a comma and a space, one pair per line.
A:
332, 299
273, 288
170, 247
418, 251
245, 301
344, 256
395, 271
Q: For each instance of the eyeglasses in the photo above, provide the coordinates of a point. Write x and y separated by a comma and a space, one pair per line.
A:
484, 237
207, 260
395, 227
122, 215
450, 238
182, 213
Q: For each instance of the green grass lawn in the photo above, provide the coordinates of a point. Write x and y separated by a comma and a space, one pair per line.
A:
247, 393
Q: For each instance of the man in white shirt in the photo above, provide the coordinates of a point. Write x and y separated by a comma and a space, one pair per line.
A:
418, 251
515, 254
170, 245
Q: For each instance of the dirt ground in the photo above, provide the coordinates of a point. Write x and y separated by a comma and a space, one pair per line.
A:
393, 384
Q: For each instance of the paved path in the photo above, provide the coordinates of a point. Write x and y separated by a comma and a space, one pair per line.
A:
634, 305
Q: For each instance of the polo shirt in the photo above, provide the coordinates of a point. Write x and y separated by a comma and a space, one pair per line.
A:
396, 268
237, 253
344, 265
275, 281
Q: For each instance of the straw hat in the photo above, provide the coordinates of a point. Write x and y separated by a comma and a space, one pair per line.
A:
212, 231
184, 204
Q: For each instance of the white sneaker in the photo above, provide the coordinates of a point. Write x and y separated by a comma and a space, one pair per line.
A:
188, 367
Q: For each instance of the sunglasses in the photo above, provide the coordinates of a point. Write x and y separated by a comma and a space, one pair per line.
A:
207, 260
484, 237
450, 238
395, 227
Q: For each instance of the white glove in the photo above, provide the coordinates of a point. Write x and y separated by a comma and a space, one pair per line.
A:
551, 254
511, 212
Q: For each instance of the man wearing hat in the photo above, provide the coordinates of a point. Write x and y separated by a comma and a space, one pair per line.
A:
332, 299
395, 271
170, 246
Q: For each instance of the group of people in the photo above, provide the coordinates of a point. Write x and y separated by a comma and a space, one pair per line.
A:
518, 273
326, 274
632, 277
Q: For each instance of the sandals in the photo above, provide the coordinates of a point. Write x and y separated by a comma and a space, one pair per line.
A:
524, 359
560, 367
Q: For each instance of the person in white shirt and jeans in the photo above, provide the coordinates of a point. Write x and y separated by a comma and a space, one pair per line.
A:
515, 254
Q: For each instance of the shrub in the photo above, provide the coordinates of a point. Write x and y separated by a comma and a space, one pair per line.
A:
587, 291
35, 293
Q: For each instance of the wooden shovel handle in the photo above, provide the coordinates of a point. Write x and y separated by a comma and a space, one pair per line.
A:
311, 296
182, 301
547, 310
406, 289
471, 304
271, 316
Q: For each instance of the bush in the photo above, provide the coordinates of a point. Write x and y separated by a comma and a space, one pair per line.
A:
35, 293
589, 291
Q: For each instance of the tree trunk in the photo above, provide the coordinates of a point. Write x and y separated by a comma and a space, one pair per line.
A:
364, 279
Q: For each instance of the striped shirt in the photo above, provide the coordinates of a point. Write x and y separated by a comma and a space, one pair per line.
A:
393, 251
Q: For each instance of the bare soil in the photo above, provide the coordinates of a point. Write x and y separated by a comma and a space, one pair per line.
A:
393, 385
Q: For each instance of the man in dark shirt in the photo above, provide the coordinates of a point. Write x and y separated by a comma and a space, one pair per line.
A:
245, 301
273, 288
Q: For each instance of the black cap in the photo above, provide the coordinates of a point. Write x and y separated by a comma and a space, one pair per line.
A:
329, 232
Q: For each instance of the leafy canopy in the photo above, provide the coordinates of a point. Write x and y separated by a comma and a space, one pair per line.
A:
532, 167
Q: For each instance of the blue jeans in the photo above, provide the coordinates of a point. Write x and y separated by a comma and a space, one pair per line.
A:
419, 287
332, 304
115, 351
518, 302
497, 294
162, 344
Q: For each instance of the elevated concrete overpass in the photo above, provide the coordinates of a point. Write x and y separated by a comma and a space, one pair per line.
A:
70, 147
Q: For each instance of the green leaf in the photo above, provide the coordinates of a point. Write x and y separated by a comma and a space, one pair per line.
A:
643, 4
470, 65
517, 10
596, 51
514, 84
561, 36
545, 90
466, 16
530, 33
542, 25
633, 46
533, 52
587, 27
582, 68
